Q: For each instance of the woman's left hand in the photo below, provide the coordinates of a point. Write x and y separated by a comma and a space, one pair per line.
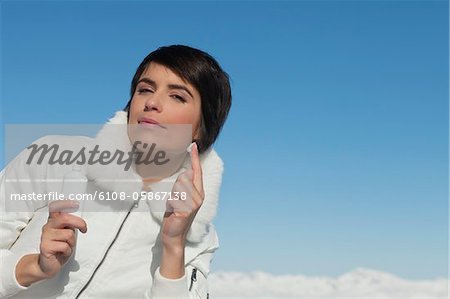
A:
181, 213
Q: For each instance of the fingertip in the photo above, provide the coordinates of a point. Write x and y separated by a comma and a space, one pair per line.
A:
63, 206
85, 228
195, 147
195, 157
192, 148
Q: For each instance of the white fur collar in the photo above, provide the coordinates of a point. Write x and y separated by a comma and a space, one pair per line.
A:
113, 177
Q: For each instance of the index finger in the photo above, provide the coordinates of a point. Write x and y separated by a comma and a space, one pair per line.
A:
65, 206
197, 168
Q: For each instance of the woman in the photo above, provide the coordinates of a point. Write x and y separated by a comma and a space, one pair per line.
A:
156, 253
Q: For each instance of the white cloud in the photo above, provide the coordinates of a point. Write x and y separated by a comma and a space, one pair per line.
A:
360, 283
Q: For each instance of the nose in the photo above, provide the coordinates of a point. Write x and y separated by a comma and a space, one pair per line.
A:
153, 103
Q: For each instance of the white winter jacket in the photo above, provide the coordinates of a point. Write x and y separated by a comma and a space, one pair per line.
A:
119, 255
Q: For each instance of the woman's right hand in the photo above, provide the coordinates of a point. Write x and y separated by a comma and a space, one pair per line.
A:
58, 240
58, 236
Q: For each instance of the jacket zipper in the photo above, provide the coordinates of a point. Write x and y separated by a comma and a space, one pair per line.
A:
193, 278
106, 253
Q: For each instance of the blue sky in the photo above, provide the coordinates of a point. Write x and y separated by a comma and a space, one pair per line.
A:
336, 148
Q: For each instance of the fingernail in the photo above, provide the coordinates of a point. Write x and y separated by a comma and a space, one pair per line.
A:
189, 149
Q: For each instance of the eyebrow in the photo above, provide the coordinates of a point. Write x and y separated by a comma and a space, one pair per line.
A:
171, 86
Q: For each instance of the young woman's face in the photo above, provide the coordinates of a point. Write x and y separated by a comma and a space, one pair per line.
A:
164, 97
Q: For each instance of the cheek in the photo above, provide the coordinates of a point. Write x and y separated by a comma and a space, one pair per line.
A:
134, 109
183, 118
187, 117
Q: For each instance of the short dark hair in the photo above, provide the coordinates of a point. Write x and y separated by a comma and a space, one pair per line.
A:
204, 73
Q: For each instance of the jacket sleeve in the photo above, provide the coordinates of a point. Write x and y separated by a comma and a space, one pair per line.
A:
193, 285
16, 178
9, 259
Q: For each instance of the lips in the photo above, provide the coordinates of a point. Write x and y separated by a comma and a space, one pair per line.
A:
149, 122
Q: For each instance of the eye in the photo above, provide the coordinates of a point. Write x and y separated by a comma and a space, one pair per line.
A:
144, 90
178, 98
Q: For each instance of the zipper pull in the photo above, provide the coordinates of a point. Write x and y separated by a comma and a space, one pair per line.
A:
193, 278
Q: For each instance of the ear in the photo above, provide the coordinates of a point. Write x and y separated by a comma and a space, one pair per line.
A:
196, 135
200, 131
